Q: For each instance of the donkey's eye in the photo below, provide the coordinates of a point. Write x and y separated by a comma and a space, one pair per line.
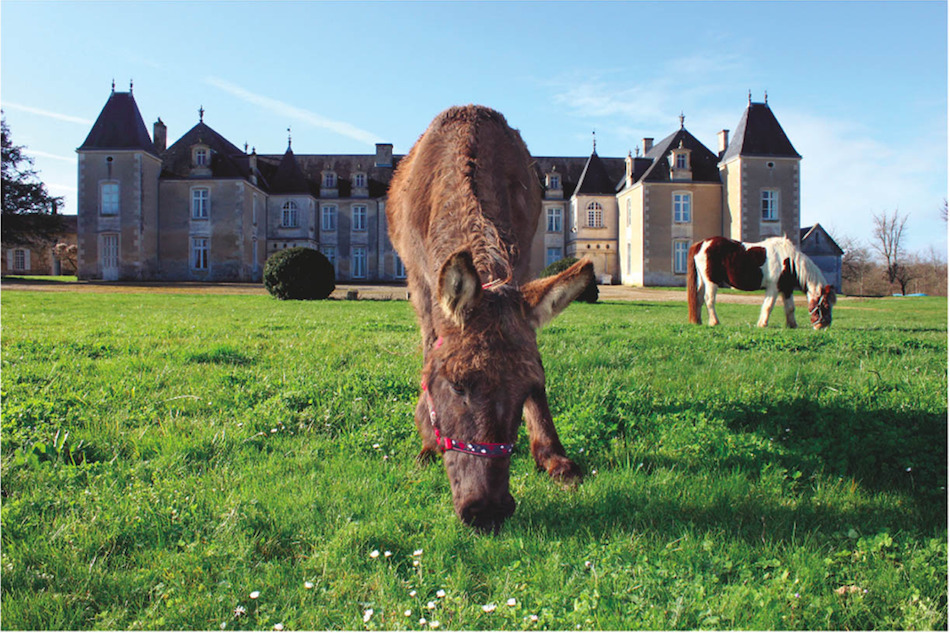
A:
458, 388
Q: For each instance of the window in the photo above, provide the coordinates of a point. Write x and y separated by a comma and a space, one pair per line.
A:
681, 161
553, 254
629, 211
400, 272
358, 265
19, 259
289, 214
328, 218
554, 219
359, 180
595, 215
555, 182
329, 180
199, 253
682, 207
359, 217
200, 203
769, 205
680, 252
109, 198
201, 157
330, 253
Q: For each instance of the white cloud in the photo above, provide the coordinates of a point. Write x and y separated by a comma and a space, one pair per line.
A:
38, 153
293, 112
46, 113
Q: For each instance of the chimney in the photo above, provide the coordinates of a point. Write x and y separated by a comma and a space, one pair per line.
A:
159, 135
723, 141
252, 164
647, 145
628, 164
384, 155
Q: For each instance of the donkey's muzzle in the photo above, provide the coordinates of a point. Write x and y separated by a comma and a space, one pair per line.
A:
487, 514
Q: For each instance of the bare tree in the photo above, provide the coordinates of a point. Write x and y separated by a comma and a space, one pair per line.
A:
887, 233
943, 211
856, 263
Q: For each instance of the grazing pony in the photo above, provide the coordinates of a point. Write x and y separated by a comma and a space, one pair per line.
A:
463, 208
774, 264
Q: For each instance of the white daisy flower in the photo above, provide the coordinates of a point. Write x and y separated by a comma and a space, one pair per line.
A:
413, 593
255, 595
418, 552
367, 615
488, 608
279, 626
374, 554
434, 624
308, 585
407, 612
440, 593
511, 602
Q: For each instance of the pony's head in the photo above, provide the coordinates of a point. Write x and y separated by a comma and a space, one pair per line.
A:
820, 305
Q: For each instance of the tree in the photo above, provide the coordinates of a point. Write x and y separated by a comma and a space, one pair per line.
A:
888, 233
30, 213
856, 264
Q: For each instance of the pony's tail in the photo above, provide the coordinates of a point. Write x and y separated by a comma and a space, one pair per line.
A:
693, 289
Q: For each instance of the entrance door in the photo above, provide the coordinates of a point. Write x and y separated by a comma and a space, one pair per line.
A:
109, 257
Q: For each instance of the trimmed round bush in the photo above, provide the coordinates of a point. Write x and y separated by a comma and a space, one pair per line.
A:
299, 273
590, 294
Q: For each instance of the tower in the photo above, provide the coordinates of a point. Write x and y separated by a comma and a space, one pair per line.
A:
118, 171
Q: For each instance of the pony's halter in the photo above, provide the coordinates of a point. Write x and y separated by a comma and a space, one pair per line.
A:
819, 309
479, 449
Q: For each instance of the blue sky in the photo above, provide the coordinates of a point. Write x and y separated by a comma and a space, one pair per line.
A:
859, 87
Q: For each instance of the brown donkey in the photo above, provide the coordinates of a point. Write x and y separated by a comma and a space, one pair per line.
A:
463, 208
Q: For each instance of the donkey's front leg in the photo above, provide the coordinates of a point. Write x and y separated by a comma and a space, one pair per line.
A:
767, 306
545, 445
790, 311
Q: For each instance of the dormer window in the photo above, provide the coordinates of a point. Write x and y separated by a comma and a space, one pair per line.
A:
679, 164
681, 160
329, 180
201, 157
554, 181
359, 180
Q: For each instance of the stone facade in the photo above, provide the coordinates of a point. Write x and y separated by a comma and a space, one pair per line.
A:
205, 210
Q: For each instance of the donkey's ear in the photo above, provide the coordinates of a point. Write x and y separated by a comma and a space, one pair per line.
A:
547, 297
459, 286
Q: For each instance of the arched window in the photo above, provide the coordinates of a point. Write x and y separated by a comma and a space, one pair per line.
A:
289, 214
595, 215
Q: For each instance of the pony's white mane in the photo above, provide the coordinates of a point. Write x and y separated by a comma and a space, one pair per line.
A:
809, 275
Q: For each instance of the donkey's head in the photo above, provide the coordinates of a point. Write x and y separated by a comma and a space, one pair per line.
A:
479, 373
820, 305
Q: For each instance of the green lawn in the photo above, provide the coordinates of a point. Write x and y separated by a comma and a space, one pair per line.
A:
164, 456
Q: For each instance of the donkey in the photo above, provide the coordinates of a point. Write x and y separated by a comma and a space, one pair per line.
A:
463, 208
774, 264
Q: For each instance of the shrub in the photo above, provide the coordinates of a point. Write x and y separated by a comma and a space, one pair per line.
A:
590, 294
299, 273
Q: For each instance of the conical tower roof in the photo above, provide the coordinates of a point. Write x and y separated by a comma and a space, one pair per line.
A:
119, 127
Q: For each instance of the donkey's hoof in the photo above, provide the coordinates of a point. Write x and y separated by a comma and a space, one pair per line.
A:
565, 472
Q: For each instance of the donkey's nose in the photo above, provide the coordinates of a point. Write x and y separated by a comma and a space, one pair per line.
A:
487, 514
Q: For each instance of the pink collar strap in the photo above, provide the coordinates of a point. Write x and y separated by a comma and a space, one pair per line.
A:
480, 449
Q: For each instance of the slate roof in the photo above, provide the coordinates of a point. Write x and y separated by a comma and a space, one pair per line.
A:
815, 240
594, 178
759, 134
289, 178
702, 162
571, 169
119, 127
227, 160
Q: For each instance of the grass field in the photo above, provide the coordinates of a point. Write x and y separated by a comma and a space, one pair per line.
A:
206, 462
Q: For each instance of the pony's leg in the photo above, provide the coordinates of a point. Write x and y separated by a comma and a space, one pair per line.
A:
711, 289
790, 312
546, 447
767, 306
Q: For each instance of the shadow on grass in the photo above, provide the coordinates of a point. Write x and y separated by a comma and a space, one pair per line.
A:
875, 450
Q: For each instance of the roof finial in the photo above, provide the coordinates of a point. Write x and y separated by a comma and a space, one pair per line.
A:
113, 85
245, 147
289, 138
682, 119
638, 151
201, 114
130, 86
594, 134
766, 97
750, 97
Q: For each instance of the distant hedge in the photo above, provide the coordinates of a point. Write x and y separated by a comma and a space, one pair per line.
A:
299, 273
590, 294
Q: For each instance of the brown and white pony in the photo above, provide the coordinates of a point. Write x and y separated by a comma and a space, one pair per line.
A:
463, 208
774, 264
